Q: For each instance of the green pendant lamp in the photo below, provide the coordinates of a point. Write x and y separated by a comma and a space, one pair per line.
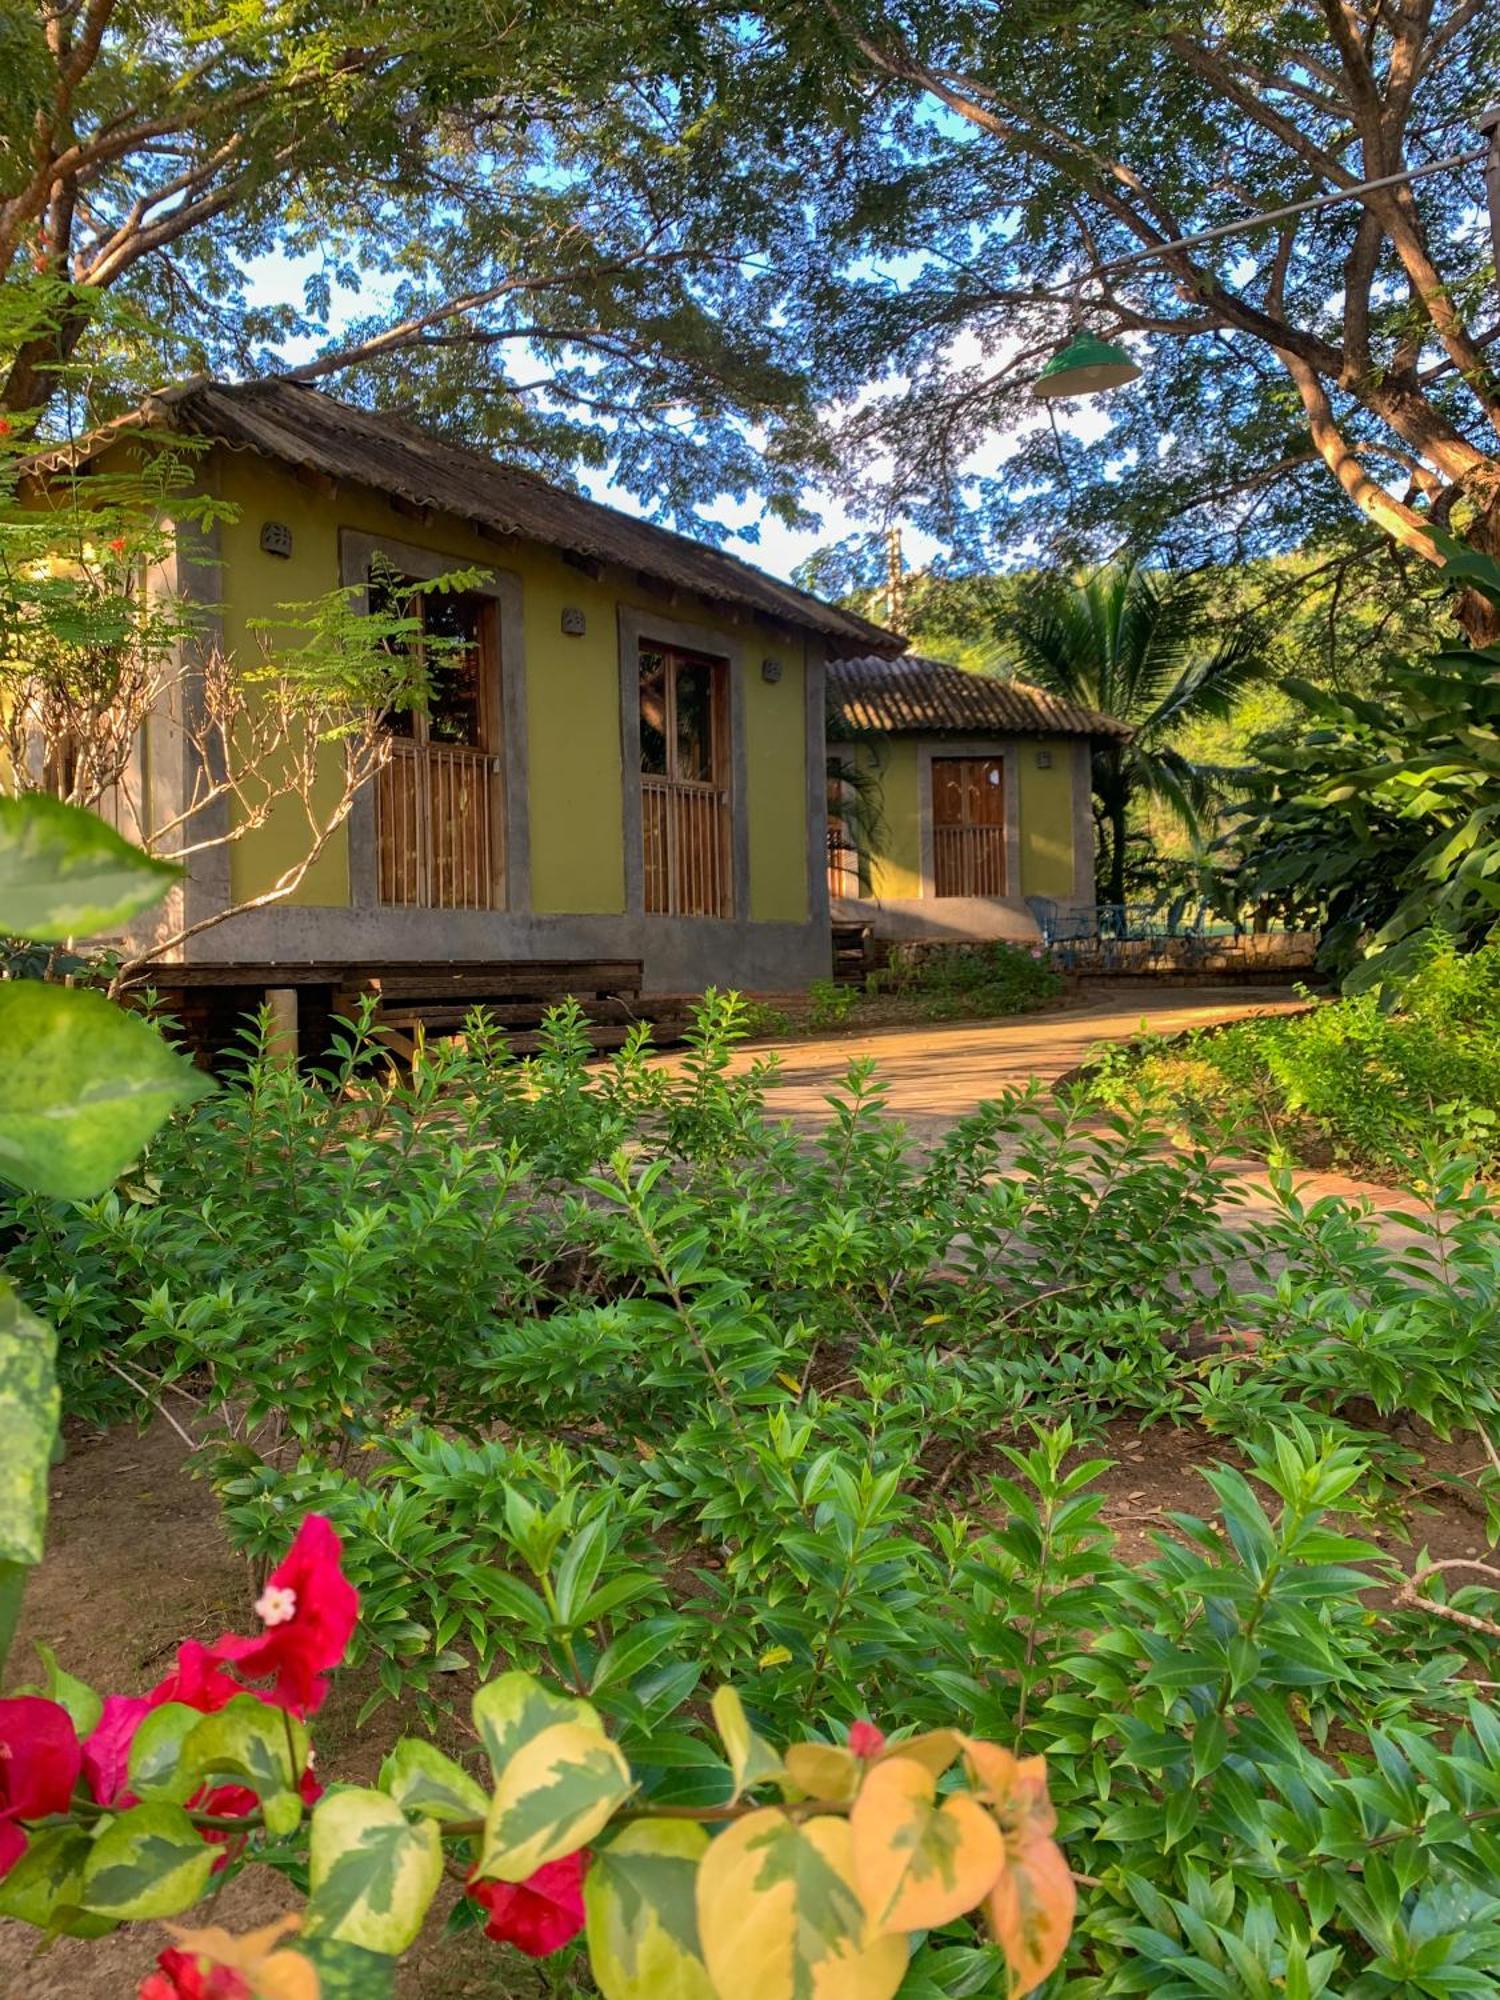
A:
1084, 367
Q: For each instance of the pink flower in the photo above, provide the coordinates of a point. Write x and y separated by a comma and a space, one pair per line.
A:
865, 1740
40, 1760
179, 1975
106, 1752
308, 1609
538, 1915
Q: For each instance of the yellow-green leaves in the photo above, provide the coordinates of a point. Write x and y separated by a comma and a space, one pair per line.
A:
83, 1085
918, 1864
372, 1871
642, 1918
552, 1797
150, 1862
824, 1771
780, 1918
751, 1760
422, 1780
65, 874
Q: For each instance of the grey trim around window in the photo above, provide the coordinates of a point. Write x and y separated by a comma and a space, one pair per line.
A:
504, 586
638, 628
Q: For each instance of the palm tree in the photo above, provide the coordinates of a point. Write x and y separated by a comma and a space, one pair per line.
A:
1136, 644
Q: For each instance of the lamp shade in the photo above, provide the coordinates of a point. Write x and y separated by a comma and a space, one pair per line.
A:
1084, 367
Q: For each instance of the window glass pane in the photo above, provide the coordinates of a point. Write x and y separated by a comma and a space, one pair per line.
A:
455, 711
695, 746
653, 714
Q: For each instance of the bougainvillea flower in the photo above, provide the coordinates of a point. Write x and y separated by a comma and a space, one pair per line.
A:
40, 1759
200, 1679
308, 1609
865, 1740
106, 1750
180, 1975
538, 1915
235, 1801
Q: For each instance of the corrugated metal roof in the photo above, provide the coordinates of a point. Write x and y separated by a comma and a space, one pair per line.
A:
913, 694
300, 426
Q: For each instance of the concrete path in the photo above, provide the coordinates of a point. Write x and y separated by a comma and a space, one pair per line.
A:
937, 1073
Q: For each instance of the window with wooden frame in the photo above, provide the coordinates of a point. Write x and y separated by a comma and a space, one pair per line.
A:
685, 817
438, 820
968, 826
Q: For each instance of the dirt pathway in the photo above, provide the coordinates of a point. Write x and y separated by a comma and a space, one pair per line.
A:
937, 1073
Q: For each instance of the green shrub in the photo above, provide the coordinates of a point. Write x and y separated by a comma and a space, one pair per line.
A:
1366, 1082
829, 1005
605, 1374
992, 978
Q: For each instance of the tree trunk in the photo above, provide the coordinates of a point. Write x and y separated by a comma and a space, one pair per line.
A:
1478, 614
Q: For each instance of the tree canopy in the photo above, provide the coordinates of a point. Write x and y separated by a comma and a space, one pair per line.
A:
1003, 162
549, 216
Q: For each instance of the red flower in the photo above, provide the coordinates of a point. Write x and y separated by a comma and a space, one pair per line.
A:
540, 1914
117, 545
308, 1608
199, 1679
39, 1764
865, 1740
180, 1976
4, 427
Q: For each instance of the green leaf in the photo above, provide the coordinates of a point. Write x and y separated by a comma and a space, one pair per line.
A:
752, 1760
552, 1797
45, 1887
421, 1779
158, 1765
150, 1862
510, 1711
65, 874
372, 1871
29, 1411
76, 1696
640, 1913
83, 1087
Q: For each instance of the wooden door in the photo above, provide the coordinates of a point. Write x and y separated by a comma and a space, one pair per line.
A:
968, 826
437, 801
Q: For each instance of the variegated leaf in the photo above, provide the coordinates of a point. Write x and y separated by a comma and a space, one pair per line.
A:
29, 1409
780, 1917
509, 1711
419, 1777
554, 1794
150, 1862
642, 1917
372, 1872
918, 1864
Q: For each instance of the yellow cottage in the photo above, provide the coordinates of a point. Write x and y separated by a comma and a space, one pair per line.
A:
981, 798
633, 771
